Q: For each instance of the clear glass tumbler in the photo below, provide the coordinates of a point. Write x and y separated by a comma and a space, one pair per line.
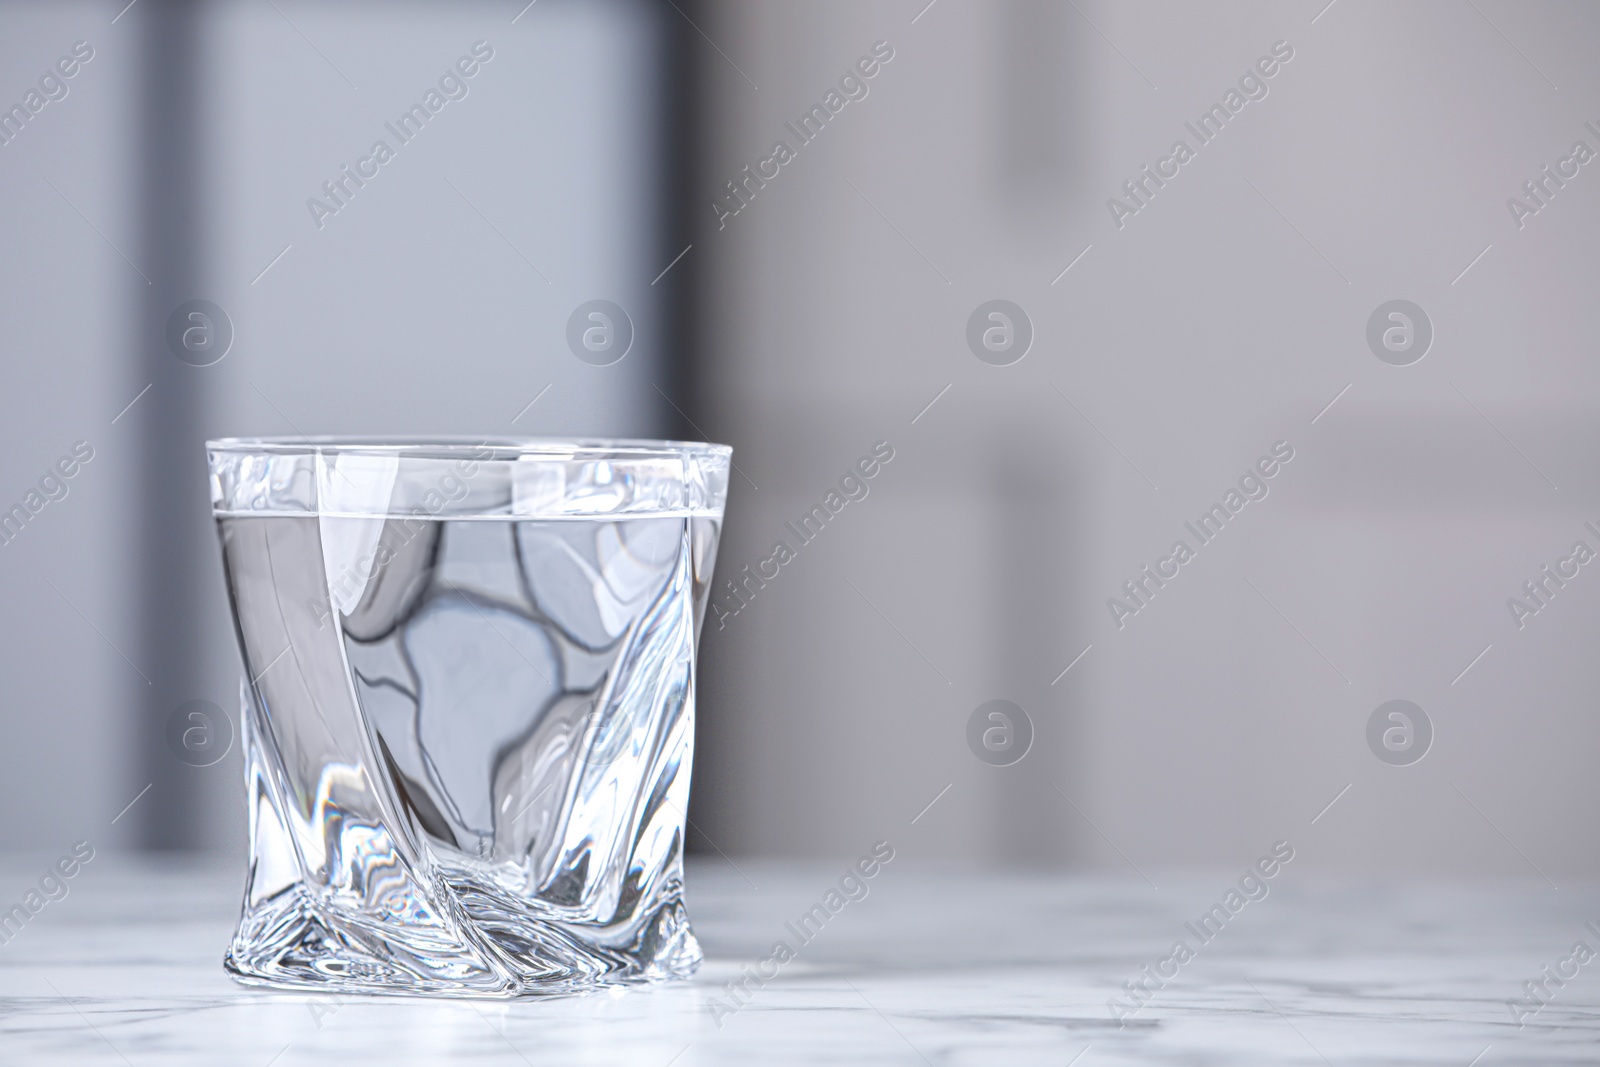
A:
468, 707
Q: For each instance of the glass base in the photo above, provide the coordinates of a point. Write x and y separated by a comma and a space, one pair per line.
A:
439, 936
289, 944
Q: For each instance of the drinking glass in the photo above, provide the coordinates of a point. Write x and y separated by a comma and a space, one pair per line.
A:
468, 707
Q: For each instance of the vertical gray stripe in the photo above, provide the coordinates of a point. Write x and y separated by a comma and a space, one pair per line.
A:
171, 518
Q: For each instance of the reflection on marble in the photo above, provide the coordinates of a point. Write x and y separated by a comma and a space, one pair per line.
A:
929, 969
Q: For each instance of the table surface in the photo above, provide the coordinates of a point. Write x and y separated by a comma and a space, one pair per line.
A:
929, 968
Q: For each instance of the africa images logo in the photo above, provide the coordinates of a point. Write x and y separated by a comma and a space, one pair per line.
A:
453, 85
852, 87
1142, 188
1142, 588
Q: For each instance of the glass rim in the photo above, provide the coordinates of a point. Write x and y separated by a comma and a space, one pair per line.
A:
447, 446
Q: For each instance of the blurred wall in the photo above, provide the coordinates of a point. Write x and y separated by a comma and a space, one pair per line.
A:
1176, 341
435, 299
66, 298
845, 698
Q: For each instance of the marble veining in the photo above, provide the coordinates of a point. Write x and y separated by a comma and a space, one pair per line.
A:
931, 968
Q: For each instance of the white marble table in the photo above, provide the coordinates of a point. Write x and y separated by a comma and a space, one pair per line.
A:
930, 968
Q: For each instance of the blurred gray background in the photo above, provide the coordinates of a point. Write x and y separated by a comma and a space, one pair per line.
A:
1169, 353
